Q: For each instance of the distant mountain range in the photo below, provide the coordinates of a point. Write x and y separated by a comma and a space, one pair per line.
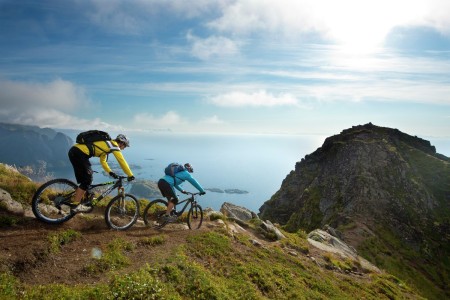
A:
387, 192
25, 145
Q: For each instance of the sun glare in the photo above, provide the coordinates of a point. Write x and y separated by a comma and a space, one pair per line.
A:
361, 26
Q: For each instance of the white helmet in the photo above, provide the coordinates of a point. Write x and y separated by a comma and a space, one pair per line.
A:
122, 138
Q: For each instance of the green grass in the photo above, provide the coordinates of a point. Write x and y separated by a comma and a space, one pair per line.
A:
112, 258
20, 187
210, 265
153, 240
213, 265
58, 239
388, 253
9, 220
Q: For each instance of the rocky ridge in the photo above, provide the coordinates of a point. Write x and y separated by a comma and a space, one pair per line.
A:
374, 184
34, 146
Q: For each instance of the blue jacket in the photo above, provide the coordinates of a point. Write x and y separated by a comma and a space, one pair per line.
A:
181, 177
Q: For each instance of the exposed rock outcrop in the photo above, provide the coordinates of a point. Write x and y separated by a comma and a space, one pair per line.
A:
237, 212
10, 205
376, 174
387, 192
329, 243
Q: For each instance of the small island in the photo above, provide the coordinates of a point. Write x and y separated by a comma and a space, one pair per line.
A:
235, 191
215, 190
227, 191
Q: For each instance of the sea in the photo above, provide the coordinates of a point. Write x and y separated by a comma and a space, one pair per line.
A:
253, 165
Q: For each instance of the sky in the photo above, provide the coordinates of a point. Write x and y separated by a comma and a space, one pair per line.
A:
302, 67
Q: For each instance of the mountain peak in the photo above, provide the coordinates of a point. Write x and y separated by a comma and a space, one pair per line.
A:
372, 183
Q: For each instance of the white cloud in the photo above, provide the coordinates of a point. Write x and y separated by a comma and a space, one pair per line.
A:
45, 104
145, 120
260, 98
265, 16
44, 117
58, 94
352, 22
214, 46
213, 120
138, 17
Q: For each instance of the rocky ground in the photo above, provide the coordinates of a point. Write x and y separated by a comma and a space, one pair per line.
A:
24, 247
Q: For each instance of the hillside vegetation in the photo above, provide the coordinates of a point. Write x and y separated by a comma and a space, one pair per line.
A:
387, 192
82, 259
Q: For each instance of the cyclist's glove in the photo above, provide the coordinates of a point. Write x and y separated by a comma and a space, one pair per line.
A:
113, 175
202, 193
131, 178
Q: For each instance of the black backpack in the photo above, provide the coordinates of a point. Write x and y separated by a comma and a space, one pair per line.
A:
172, 169
91, 136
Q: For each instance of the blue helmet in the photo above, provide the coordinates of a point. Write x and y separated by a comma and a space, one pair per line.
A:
189, 168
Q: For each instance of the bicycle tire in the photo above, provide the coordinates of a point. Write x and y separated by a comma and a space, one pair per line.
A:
195, 217
153, 213
122, 212
51, 202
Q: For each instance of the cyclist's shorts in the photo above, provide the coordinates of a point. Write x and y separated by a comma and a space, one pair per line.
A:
167, 191
81, 166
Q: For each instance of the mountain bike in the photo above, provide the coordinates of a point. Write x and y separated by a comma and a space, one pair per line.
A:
52, 203
154, 212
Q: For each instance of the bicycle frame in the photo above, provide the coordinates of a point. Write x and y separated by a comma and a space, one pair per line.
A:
191, 200
52, 202
116, 184
155, 211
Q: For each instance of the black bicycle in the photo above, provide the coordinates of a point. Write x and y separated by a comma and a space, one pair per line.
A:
52, 203
154, 213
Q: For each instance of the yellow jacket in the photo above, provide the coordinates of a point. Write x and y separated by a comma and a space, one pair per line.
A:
102, 149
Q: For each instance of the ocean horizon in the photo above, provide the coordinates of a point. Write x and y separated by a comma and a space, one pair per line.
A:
254, 164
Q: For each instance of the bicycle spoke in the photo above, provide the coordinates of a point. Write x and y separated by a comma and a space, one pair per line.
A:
122, 212
195, 217
154, 212
52, 202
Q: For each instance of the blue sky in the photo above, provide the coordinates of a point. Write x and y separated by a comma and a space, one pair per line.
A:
309, 67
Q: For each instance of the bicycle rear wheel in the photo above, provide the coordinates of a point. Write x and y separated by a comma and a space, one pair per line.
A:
195, 216
122, 212
52, 202
154, 212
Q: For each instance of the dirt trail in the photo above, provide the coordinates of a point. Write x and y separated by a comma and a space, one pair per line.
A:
24, 248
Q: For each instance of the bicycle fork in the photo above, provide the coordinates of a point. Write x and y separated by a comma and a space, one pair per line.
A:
121, 193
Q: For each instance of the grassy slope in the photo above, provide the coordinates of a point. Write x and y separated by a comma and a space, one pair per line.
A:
427, 268
213, 265
208, 265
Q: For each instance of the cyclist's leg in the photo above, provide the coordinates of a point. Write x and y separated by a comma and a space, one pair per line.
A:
167, 191
170, 205
83, 171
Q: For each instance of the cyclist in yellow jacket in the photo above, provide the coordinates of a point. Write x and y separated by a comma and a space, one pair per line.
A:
79, 156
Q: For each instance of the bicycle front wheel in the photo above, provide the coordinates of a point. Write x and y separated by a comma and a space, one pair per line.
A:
52, 202
122, 212
154, 212
195, 217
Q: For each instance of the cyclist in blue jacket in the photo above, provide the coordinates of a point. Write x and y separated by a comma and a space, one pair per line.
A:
167, 184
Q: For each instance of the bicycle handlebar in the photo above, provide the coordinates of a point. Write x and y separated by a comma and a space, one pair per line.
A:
192, 194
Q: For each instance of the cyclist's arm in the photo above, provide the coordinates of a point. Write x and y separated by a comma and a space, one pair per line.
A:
122, 162
174, 182
178, 188
101, 150
104, 163
188, 177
